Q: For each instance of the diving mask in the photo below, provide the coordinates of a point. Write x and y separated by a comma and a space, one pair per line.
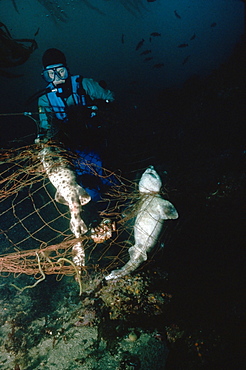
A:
52, 72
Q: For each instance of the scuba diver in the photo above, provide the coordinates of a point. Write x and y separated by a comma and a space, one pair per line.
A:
70, 104
69, 115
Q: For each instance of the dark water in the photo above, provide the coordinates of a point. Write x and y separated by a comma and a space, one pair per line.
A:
196, 136
193, 135
101, 43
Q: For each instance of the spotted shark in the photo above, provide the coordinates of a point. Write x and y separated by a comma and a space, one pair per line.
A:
152, 212
68, 192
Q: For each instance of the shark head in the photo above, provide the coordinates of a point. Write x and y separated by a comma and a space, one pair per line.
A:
150, 181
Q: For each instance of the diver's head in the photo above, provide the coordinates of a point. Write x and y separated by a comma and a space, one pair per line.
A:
55, 66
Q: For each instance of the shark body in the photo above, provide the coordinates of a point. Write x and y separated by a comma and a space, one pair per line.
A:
152, 212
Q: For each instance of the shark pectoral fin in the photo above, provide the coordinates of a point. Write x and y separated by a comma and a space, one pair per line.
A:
167, 210
84, 197
60, 199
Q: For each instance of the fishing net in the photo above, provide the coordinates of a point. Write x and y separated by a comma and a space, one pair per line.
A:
35, 237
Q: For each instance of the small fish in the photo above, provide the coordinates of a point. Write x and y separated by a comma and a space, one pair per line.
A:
158, 65
213, 24
155, 34
183, 45
36, 33
145, 52
15, 6
122, 38
150, 1
148, 59
186, 60
176, 14
193, 37
140, 44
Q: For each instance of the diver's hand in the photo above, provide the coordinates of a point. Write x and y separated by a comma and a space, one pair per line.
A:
41, 139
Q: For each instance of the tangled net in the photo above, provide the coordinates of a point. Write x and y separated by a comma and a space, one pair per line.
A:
35, 238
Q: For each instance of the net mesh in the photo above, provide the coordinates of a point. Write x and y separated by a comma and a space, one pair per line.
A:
35, 238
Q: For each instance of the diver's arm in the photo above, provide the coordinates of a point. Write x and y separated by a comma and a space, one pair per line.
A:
44, 125
44, 109
95, 91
